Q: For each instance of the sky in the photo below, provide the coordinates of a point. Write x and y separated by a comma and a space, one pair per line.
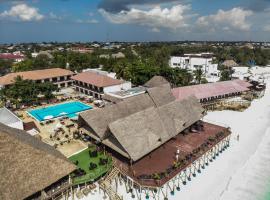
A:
133, 20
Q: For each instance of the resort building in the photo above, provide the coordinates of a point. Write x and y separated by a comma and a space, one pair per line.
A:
31, 169
58, 76
213, 91
194, 61
172, 142
96, 84
124, 94
117, 96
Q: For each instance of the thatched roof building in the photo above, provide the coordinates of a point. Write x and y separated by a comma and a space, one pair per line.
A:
154, 126
28, 165
149, 120
156, 81
229, 63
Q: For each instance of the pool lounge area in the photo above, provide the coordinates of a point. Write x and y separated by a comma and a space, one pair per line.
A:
69, 109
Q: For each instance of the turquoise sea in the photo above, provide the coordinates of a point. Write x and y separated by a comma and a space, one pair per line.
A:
267, 195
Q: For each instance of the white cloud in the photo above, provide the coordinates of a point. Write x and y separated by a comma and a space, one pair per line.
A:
172, 18
235, 18
54, 16
155, 30
88, 21
22, 12
266, 28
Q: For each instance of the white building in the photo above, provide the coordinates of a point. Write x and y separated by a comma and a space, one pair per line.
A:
10, 119
194, 61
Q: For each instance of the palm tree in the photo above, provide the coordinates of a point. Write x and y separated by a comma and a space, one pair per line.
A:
198, 74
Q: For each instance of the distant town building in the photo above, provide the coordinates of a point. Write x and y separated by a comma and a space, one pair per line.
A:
114, 55
118, 55
46, 53
229, 64
194, 61
58, 76
107, 56
96, 84
13, 57
82, 50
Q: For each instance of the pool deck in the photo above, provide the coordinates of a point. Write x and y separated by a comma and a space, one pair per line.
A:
46, 130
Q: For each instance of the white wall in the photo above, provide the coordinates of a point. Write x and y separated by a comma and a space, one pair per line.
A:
115, 88
191, 63
18, 125
180, 62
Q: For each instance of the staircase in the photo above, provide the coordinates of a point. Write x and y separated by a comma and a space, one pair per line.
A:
105, 184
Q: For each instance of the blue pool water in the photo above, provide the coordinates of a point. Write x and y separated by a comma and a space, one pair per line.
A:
69, 109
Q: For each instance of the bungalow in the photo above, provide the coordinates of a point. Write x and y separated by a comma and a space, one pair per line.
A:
58, 76
96, 84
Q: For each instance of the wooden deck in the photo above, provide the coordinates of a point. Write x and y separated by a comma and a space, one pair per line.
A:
163, 159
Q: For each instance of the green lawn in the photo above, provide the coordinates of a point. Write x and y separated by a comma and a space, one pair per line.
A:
84, 161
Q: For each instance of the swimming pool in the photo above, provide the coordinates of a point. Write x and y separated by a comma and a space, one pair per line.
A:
70, 109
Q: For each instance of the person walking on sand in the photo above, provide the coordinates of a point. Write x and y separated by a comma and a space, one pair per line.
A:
237, 137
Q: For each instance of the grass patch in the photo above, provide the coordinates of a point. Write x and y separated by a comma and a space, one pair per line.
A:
83, 159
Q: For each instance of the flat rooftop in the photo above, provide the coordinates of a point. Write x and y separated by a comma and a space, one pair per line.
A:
128, 93
151, 163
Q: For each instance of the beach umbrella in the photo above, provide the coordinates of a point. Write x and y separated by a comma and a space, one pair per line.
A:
63, 113
48, 117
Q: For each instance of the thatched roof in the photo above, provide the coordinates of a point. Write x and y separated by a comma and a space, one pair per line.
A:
229, 63
137, 125
179, 115
27, 164
161, 95
99, 119
139, 133
154, 126
156, 81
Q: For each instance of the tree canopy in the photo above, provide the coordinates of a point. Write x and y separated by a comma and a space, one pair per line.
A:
27, 91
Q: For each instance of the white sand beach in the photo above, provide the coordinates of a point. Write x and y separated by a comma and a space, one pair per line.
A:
240, 172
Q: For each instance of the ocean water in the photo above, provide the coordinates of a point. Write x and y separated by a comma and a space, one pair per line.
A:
266, 196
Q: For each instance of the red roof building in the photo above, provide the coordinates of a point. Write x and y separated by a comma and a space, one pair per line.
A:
58, 76
10, 56
95, 84
210, 91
